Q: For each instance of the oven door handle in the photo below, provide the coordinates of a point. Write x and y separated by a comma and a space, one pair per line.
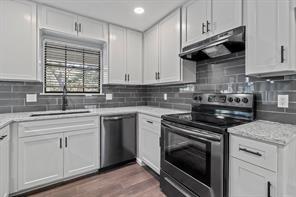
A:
195, 133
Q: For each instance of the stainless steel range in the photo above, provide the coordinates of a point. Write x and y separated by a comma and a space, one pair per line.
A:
194, 146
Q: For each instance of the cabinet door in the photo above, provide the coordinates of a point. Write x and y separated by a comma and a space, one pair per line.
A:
226, 15
250, 180
151, 55
267, 34
81, 153
194, 19
117, 54
170, 44
58, 20
4, 162
40, 160
18, 40
92, 29
134, 56
149, 134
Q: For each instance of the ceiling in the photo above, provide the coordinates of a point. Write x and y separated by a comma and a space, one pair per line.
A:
119, 12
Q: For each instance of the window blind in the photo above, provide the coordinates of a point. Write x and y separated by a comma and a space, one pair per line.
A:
78, 68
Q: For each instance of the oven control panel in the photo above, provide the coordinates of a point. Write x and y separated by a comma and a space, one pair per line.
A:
235, 100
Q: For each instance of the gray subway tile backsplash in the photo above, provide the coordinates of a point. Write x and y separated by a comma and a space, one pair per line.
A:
215, 75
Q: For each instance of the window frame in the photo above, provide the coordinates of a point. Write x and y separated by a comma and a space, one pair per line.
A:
68, 43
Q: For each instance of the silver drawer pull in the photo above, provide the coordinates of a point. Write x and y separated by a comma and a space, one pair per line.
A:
3, 137
149, 121
251, 152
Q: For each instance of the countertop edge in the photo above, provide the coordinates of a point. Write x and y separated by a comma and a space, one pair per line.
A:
94, 112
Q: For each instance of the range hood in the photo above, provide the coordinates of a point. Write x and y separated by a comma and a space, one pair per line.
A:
217, 46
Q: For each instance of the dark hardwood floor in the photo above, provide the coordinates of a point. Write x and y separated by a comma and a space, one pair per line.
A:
127, 181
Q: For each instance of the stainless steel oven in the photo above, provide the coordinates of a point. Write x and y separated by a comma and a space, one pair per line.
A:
192, 160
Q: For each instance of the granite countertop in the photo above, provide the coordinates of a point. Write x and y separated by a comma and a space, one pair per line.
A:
273, 132
6, 119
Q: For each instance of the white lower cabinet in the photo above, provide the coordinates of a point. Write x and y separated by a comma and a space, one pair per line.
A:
250, 180
259, 169
4, 161
149, 148
40, 160
81, 153
55, 150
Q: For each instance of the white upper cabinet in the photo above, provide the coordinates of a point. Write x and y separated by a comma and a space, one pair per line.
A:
204, 18
226, 15
58, 20
125, 56
18, 40
151, 51
93, 29
64, 22
170, 46
194, 21
134, 48
117, 55
162, 46
268, 37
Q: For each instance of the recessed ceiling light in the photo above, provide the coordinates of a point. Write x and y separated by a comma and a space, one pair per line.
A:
139, 10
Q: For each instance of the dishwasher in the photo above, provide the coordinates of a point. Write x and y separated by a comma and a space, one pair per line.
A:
118, 139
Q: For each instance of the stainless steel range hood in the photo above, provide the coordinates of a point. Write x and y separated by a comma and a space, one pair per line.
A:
220, 45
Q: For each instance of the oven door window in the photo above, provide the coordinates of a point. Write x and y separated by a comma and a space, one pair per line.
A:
189, 154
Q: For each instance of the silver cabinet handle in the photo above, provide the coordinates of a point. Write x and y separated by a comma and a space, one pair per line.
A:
76, 27
203, 28
251, 152
66, 142
149, 121
282, 54
156, 75
268, 189
208, 26
61, 143
128, 77
80, 27
125, 77
3, 137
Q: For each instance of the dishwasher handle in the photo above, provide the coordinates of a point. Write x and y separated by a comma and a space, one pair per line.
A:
117, 117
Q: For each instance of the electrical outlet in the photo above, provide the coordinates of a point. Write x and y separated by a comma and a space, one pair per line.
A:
165, 96
31, 98
283, 101
109, 97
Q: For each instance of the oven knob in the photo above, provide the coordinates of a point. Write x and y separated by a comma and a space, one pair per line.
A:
197, 98
237, 100
230, 99
245, 100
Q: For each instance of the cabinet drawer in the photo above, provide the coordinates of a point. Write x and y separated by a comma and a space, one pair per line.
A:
255, 152
152, 123
42, 127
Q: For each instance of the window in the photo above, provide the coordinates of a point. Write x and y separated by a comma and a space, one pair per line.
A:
76, 68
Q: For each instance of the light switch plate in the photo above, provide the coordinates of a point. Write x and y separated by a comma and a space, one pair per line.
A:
109, 97
31, 98
283, 101
165, 96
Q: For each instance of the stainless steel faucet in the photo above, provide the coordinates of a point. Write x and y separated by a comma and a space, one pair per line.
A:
64, 99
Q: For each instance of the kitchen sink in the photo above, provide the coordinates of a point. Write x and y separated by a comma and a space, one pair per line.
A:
59, 113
